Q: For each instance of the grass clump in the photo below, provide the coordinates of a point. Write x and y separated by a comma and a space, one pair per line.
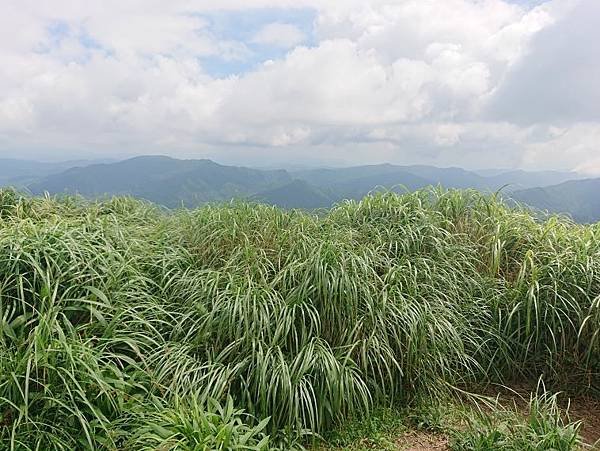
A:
189, 426
306, 320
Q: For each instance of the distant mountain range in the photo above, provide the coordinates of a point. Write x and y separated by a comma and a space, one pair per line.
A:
189, 183
578, 198
20, 173
166, 181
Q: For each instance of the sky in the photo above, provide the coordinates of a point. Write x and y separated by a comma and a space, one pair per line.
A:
470, 83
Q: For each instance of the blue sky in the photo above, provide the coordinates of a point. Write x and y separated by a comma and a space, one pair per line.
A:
242, 26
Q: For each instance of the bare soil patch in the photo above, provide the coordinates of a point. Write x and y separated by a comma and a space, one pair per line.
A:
422, 441
588, 412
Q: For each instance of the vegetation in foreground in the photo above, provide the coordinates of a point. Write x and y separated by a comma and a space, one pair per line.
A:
247, 327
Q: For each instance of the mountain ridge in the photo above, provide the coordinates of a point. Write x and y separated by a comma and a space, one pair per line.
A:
578, 198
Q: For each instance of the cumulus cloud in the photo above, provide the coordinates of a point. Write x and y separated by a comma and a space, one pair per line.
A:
458, 82
557, 79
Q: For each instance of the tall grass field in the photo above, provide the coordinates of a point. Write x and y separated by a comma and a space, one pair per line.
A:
126, 327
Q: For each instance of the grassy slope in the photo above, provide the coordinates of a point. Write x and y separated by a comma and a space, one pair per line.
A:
119, 322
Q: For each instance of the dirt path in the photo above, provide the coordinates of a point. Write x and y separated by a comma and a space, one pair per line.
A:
586, 410
582, 409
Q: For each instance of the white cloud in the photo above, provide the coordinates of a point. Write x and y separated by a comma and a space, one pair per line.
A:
447, 82
278, 34
557, 80
576, 143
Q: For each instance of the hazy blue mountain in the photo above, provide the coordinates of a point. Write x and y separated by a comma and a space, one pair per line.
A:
578, 198
333, 176
519, 179
296, 194
356, 182
388, 175
396, 180
164, 180
20, 173
451, 177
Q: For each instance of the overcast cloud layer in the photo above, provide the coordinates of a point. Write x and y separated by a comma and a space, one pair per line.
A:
473, 83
